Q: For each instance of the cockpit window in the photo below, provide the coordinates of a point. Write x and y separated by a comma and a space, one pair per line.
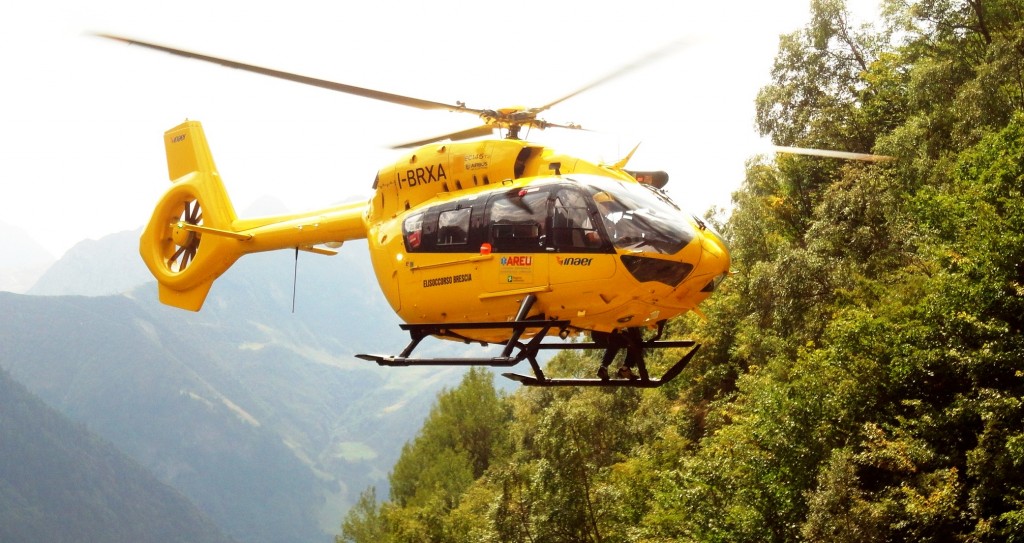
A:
638, 219
589, 214
517, 221
413, 227
453, 227
572, 226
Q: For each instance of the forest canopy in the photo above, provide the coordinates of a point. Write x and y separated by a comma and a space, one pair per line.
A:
862, 372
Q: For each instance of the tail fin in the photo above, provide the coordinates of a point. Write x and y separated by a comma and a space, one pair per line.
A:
188, 243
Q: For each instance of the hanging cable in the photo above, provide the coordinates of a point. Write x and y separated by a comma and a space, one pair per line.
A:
295, 277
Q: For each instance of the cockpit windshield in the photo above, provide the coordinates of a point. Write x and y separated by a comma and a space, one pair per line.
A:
554, 216
637, 217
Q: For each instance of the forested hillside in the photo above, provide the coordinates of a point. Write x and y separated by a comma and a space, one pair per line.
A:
862, 373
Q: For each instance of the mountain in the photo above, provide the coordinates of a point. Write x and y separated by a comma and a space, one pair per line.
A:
22, 260
263, 418
110, 265
58, 482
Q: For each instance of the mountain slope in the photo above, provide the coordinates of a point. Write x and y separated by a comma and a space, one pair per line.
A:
110, 265
262, 417
60, 483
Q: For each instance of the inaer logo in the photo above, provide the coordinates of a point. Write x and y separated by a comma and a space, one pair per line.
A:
517, 261
574, 261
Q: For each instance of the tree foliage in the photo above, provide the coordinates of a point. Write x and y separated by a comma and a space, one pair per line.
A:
862, 374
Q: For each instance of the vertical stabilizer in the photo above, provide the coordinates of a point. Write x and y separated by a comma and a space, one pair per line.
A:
187, 150
176, 245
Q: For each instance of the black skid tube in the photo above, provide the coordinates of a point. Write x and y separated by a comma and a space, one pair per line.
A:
672, 372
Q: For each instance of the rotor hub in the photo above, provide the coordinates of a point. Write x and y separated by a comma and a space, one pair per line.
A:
182, 236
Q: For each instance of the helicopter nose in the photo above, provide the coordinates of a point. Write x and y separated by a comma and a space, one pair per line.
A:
712, 268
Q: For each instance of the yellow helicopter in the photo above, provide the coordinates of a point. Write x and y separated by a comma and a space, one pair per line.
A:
491, 241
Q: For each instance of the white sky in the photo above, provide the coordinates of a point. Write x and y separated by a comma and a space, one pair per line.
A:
81, 152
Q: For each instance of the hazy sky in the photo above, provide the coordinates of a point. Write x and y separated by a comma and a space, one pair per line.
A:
81, 149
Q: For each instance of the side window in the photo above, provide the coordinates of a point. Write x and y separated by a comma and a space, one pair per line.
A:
572, 227
516, 221
413, 229
453, 227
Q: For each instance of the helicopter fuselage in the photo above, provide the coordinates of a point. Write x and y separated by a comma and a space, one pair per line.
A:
463, 232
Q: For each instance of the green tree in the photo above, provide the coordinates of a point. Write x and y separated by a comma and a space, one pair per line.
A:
363, 523
463, 434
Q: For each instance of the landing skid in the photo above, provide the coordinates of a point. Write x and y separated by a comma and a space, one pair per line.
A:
644, 381
516, 351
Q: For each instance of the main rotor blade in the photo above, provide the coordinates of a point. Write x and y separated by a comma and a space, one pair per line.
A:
832, 154
474, 132
330, 85
636, 64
